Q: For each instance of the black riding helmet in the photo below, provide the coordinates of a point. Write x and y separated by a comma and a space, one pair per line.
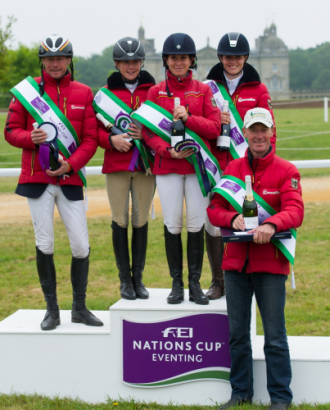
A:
180, 43
54, 46
233, 44
128, 48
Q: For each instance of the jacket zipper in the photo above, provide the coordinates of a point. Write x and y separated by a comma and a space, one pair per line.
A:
58, 95
64, 106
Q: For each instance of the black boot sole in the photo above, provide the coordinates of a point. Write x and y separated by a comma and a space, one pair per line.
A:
191, 299
84, 323
174, 302
127, 298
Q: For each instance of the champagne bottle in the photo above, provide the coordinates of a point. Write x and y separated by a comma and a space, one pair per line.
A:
177, 131
250, 209
223, 141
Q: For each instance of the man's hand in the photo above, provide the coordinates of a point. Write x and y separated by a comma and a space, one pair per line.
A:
64, 169
183, 154
263, 233
38, 136
225, 118
238, 224
120, 142
135, 132
180, 112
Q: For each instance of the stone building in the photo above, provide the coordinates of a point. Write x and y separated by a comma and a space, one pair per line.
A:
270, 58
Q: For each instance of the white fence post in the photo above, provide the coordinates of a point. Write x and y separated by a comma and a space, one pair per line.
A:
325, 109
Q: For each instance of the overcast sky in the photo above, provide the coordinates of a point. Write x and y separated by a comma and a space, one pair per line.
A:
93, 25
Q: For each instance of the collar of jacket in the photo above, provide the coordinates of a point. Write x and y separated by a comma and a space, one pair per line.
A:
259, 164
178, 84
116, 80
54, 82
250, 75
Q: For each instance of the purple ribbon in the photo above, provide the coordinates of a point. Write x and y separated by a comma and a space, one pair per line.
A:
134, 158
44, 158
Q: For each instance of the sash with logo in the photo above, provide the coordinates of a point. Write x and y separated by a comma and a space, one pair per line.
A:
43, 109
118, 113
233, 190
238, 144
160, 121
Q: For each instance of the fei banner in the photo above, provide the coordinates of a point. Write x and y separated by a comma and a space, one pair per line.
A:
176, 351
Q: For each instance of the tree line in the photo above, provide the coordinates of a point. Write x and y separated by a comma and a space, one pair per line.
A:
309, 69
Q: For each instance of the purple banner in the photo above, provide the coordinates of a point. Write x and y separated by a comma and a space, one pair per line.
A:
155, 352
165, 125
213, 87
232, 186
40, 105
209, 165
236, 136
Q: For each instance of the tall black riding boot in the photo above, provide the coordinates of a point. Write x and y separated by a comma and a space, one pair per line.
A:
173, 246
120, 246
79, 280
214, 247
47, 277
139, 251
195, 251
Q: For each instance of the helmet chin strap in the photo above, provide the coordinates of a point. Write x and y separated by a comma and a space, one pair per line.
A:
232, 74
131, 81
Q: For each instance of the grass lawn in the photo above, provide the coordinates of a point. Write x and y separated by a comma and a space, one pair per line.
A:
308, 306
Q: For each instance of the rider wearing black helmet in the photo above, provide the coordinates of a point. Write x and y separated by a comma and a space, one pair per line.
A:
128, 172
243, 85
176, 177
67, 105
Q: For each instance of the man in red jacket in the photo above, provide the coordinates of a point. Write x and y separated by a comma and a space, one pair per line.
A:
55, 98
259, 267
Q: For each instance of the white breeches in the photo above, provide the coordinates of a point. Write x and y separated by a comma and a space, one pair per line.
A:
72, 214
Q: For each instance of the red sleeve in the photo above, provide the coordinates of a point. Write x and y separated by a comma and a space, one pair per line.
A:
264, 101
291, 214
88, 139
155, 142
207, 126
103, 136
16, 132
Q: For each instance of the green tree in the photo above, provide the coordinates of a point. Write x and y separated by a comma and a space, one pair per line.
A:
5, 35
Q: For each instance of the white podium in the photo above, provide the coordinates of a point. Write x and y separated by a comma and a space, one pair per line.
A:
147, 350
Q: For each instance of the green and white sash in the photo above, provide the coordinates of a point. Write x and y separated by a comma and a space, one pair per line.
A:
233, 190
43, 109
160, 121
238, 144
118, 113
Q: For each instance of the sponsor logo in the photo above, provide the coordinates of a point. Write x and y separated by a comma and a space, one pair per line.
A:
210, 166
231, 186
165, 125
77, 107
270, 104
40, 105
213, 87
179, 332
163, 93
213, 102
265, 192
192, 92
294, 183
122, 121
236, 136
246, 99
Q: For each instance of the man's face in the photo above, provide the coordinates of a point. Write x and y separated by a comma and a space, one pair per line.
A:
258, 136
56, 67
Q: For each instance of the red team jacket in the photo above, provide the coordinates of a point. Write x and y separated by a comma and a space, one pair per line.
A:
115, 161
250, 93
75, 101
277, 182
203, 118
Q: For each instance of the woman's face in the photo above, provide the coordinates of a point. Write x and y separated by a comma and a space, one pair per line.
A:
129, 69
233, 65
179, 64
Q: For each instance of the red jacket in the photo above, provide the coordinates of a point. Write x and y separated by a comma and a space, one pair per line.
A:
115, 161
203, 118
250, 93
75, 101
273, 182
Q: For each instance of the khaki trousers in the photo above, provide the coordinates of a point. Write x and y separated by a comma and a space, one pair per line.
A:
122, 185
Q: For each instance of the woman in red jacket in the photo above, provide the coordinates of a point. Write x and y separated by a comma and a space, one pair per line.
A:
175, 176
242, 83
128, 173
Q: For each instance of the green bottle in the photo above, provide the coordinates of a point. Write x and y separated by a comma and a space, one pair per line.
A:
250, 208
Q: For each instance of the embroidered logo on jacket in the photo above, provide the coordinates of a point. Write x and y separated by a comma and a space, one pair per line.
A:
294, 183
265, 192
77, 107
246, 99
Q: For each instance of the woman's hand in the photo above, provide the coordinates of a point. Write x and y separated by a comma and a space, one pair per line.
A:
180, 112
38, 136
182, 154
120, 142
238, 224
135, 132
225, 118
263, 233
64, 169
